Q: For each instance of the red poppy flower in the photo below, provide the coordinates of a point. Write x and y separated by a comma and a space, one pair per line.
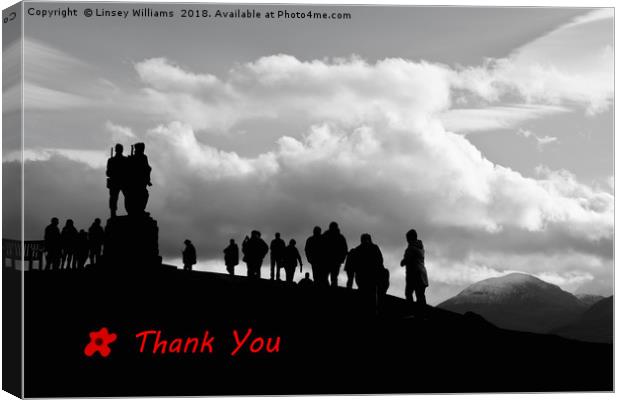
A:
99, 342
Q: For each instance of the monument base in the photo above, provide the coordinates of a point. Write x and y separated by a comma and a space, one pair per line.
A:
131, 241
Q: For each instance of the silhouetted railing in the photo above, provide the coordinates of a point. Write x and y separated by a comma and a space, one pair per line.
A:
12, 251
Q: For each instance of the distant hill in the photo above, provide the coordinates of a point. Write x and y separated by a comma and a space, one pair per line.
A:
518, 301
589, 299
596, 324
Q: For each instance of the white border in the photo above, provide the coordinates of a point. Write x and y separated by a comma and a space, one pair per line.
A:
483, 3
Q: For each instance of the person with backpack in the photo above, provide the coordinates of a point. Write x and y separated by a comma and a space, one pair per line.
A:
416, 275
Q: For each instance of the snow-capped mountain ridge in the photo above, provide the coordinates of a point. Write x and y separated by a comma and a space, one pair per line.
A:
518, 301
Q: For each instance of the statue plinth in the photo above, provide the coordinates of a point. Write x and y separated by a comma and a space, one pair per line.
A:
131, 241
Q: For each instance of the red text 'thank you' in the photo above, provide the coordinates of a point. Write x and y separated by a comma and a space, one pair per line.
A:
152, 341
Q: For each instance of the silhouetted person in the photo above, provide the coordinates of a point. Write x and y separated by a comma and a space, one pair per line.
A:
95, 241
231, 256
383, 281
139, 173
68, 238
383, 284
53, 245
116, 172
256, 250
417, 278
244, 250
81, 249
349, 268
314, 254
305, 281
189, 255
277, 247
291, 258
366, 262
334, 252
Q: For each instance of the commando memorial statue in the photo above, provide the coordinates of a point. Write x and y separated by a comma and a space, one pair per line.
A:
130, 241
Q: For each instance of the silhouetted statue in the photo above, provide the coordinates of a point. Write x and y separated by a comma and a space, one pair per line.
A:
189, 255
291, 258
53, 245
131, 242
277, 256
231, 256
139, 177
116, 172
81, 249
68, 238
305, 282
255, 252
334, 252
413, 260
314, 254
95, 241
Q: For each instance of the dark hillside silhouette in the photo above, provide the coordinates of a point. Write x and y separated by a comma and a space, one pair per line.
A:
596, 324
393, 353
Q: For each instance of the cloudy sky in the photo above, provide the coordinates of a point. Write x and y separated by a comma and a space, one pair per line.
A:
488, 130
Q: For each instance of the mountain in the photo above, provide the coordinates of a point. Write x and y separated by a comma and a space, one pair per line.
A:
596, 324
589, 299
518, 301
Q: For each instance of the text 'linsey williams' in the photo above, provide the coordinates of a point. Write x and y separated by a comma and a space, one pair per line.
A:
152, 341
135, 12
